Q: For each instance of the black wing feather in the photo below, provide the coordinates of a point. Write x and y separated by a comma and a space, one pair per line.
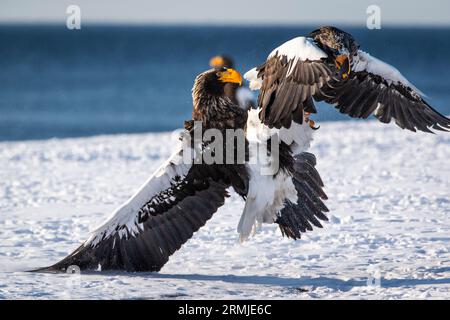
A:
364, 93
288, 88
165, 228
296, 218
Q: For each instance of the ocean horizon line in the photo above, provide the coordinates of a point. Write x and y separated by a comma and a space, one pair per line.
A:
109, 24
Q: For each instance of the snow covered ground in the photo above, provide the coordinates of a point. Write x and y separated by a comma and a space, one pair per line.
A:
388, 235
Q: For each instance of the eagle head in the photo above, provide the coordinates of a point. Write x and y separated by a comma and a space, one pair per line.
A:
334, 41
213, 82
210, 98
339, 45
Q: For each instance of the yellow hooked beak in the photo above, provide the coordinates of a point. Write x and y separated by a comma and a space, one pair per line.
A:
230, 75
216, 62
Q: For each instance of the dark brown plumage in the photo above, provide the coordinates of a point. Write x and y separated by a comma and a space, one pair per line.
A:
166, 220
211, 105
334, 42
285, 98
181, 197
346, 77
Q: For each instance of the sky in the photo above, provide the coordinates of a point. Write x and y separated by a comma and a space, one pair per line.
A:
261, 12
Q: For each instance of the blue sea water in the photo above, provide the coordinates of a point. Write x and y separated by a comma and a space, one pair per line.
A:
56, 82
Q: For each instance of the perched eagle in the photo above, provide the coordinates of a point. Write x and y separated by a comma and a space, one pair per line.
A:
184, 193
270, 168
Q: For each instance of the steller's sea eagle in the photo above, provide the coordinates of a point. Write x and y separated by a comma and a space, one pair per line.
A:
328, 65
182, 195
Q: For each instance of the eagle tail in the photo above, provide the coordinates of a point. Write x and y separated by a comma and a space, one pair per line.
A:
299, 217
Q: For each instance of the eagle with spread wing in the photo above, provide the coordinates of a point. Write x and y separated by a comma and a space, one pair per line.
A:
183, 194
329, 66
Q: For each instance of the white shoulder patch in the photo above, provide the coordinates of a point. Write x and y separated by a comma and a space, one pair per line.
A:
365, 62
299, 48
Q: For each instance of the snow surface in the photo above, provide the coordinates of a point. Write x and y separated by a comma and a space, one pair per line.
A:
388, 235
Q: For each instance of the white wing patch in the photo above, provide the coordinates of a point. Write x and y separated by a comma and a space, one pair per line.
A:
300, 48
125, 218
365, 62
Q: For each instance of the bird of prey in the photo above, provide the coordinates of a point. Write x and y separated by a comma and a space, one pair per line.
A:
269, 168
329, 66
184, 193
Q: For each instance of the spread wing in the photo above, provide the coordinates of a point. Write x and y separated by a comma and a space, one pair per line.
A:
288, 81
375, 87
298, 72
142, 234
